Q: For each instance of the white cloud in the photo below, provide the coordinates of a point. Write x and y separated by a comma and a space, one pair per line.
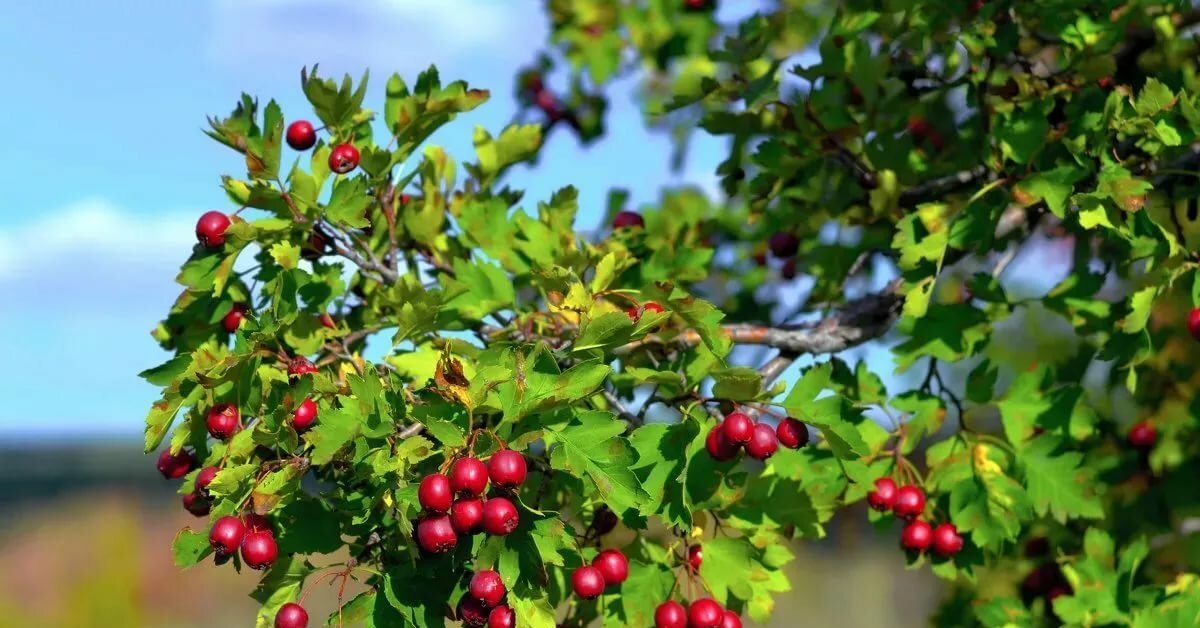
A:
384, 35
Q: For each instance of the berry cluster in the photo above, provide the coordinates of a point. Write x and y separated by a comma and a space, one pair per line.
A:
609, 568
760, 440
251, 533
908, 502
703, 612
454, 504
483, 604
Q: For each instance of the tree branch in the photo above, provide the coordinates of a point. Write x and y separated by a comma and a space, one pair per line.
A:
936, 188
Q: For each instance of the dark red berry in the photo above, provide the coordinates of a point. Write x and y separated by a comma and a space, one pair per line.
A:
1143, 435
604, 520
633, 313
175, 466
487, 587
466, 515
204, 478
301, 135
223, 421
910, 502
257, 523
916, 536
946, 540
305, 415
291, 615
259, 549
788, 270
210, 229
783, 244
883, 498
792, 433
507, 468
628, 219
1037, 546
197, 504
731, 619
500, 516
502, 617
918, 128
587, 582
233, 319
670, 614
327, 321
343, 158
695, 556
763, 443
705, 613
719, 446
226, 535
300, 366
468, 476
472, 613
612, 565
435, 534
434, 493
738, 428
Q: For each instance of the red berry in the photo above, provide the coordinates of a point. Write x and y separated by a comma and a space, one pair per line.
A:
792, 433
196, 504
468, 476
604, 520
301, 135
695, 556
587, 582
783, 244
910, 502
612, 565
502, 617
434, 493
918, 127
257, 523
204, 478
472, 613
651, 306
487, 587
435, 534
731, 619
175, 466
234, 318
883, 498
507, 468
670, 614
343, 158
628, 219
210, 229
763, 443
946, 541
632, 313
291, 615
226, 535
1057, 591
1193, 323
327, 320
500, 516
300, 366
259, 549
223, 421
1143, 435
916, 536
466, 515
718, 445
738, 428
705, 613
788, 270
305, 415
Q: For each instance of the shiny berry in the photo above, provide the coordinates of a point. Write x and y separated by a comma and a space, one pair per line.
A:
587, 582
910, 502
731, 619
719, 446
175, 466
791, 433
233, 319
434, 493
435, 534
291, 615
327, 321
738, 428
301, 135
507, 468
305, 415
628, 219
204, 478
466, 515
223, 421
1193, 323
472, 613
210, 229
259, 549
1143, 435
946, 540
916, 536
468, 476
487, 587
612, 565
226, 535
695, 556
705, 613
502, 617
500, 516
343, 158
257, 523
883, 498
604, 520
783, 244
670, 614
197, 504
763, 443
651, 306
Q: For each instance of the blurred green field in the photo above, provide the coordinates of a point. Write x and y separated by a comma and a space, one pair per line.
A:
85, 534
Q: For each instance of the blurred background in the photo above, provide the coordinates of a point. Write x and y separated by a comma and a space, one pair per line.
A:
106, 171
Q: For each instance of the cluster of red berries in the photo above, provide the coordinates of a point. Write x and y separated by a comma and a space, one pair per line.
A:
908, 502
760, 440
483, 604
701, 613
453, 504
251, 533
610, 568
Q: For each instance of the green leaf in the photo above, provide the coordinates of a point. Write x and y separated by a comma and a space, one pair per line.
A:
476, 290
1056, 482
337, 427
517, 143
737, 383
190, 547
590, 447
662, 468
1155, 97
349, 202
611, 329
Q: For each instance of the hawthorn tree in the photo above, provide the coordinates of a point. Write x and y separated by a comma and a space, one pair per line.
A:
424, 384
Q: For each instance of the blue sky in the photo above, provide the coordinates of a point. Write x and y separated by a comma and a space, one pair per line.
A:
107, 167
